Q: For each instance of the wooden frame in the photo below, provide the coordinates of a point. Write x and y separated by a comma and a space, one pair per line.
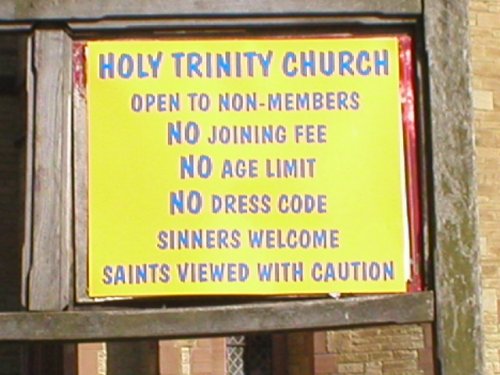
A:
14, 10
52, 199
81, 178
217, 320
452, 225
167, 24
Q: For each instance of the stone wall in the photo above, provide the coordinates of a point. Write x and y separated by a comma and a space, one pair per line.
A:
392, 350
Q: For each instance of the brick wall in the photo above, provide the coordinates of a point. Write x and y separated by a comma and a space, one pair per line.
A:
193, 357
300, 349
485, 40
92, 359
394, 350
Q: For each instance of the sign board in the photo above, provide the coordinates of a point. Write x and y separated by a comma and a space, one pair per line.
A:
246, 167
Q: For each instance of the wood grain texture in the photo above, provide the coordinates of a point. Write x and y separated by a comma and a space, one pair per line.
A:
28, 176
425, 162
11, 10
81, 172
217, 321
455, 229
15, 26
52, 249
243, 24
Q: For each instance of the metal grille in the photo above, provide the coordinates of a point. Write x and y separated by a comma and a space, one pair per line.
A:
235, 349
249, 355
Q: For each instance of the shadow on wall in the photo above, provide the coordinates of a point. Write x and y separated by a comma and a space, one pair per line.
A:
12, 147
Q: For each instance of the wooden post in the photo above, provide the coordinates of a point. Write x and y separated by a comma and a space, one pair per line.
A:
27, 190
455, 229
52, 194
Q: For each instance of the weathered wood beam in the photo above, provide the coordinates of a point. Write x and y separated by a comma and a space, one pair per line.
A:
28, 97
52, 241
455, 242
19, 10
219, 320
236, 23
14, 27
80, 157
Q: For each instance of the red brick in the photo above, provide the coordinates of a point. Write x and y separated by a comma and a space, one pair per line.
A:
320, 343
324, 363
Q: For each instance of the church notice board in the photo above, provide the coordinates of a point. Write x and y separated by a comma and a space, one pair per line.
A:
251, 166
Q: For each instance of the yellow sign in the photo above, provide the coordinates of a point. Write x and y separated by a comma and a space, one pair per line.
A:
249, 166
